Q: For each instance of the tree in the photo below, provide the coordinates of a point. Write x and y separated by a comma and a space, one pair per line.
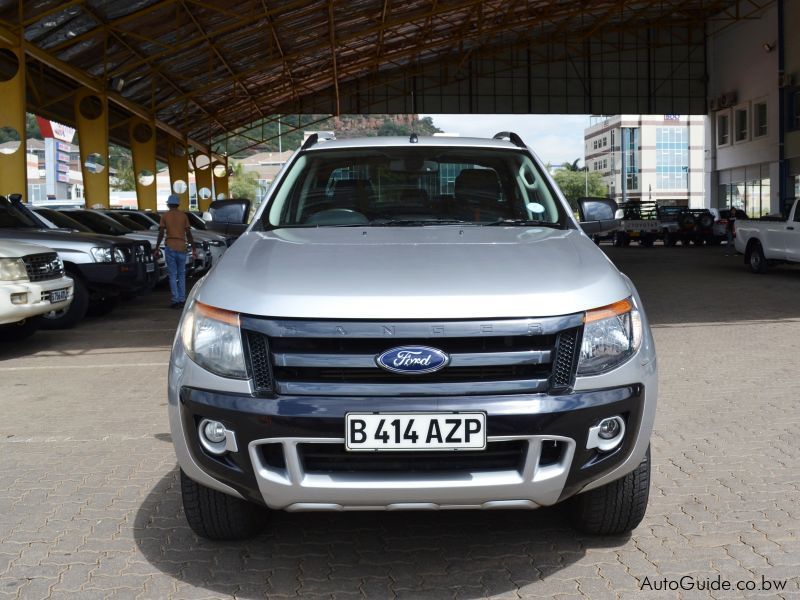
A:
243, 184
573, 166
574, 185
120, 160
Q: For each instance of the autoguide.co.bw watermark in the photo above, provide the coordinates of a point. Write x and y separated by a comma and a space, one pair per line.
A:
692, 583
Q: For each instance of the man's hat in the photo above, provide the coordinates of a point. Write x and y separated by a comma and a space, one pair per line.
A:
173, 200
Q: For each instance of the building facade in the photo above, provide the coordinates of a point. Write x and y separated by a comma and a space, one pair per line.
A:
742, 158
649, 157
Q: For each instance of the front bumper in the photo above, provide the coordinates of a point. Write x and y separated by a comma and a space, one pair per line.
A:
38, 298
266, 428
116, 278
268, 464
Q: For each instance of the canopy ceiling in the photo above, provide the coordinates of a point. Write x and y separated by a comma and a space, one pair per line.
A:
206, 69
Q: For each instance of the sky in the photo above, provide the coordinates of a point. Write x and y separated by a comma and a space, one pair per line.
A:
555, 138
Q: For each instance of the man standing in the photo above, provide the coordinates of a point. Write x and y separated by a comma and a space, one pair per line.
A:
175, 224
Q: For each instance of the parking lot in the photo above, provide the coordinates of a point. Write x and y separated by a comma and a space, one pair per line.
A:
89, 493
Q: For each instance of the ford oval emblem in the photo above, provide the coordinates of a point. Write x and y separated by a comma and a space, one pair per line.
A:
412, 360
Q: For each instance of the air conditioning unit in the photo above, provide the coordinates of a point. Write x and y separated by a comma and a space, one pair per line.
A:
727, 100
785, 80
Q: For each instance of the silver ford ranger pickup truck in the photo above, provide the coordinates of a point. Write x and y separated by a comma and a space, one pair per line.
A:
413, 323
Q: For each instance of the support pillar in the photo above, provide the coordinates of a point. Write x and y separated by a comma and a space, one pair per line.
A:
143, 147
91, 116
220, 171
13, 165
178, 163
202, 177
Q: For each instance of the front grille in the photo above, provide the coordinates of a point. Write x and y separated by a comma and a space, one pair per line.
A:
322, 358
142, 252
333, 458
43, 267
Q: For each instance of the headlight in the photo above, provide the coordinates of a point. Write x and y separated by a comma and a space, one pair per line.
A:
217, 243
611, 335
212, 339
101, 254
13, 269
104, 255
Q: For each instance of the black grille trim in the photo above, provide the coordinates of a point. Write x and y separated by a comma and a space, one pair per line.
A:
566, 362
43, 267
333, 458
448, 374
260, 364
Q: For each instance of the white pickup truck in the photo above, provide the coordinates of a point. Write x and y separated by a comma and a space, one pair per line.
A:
766, 241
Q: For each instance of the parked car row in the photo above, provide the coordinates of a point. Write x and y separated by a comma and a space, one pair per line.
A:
58, 264
647, 222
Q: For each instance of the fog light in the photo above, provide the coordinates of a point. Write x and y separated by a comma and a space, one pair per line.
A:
215, 432
215, 438
19, 298
609, 428
607, 434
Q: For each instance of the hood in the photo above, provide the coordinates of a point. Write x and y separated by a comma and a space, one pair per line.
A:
437, 272
60, 238
11, 249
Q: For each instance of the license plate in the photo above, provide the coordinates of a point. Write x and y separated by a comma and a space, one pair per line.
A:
58, 296
415, 431
150, 267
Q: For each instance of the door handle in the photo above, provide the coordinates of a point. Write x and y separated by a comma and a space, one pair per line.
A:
792, 228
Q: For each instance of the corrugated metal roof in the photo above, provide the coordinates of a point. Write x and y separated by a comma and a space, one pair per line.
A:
206, 67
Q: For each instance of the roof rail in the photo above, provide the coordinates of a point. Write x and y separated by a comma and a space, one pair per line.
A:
312, 139
511, 137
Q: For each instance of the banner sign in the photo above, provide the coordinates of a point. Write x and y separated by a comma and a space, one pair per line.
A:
51, 129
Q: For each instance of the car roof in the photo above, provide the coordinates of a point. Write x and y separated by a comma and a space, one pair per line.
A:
429, 141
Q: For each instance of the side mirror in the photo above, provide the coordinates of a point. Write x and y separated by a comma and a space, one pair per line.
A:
228, 217
153, 227
597, 215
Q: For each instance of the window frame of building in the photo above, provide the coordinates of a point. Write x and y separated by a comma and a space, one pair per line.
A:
726, 115
793, 109
741, 124
758, 125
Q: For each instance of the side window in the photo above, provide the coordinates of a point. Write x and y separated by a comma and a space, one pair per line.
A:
797, 213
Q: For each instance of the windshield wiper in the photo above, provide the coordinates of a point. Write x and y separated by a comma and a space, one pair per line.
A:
527, 222
415, 222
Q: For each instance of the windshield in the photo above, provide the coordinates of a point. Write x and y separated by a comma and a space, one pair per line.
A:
142, 219
414, 186
126, 221
98, 223
13, 218
61, 220
196, 221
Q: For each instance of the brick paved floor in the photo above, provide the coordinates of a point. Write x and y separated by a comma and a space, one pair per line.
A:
89, 499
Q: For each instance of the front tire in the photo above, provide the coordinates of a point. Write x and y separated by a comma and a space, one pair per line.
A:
16, 332
67, 318
217, 516
617, 507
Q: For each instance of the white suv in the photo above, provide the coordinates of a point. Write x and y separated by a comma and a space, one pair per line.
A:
32, 283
